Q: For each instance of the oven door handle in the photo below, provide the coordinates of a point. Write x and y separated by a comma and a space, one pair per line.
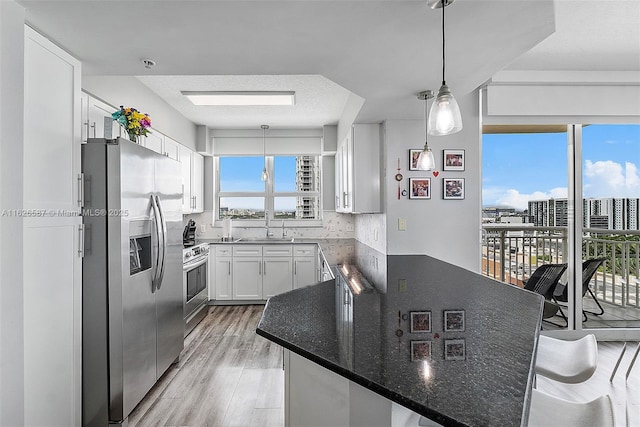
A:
196, 264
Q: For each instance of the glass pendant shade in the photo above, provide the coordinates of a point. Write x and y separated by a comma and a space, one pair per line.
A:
444, 117
265, 175
426, 162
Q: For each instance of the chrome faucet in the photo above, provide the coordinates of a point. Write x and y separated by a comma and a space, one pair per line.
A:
266, 224
284, 231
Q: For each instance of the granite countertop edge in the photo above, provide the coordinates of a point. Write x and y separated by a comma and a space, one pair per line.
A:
360, 380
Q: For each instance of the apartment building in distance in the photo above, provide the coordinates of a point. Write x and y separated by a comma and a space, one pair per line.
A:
606, 213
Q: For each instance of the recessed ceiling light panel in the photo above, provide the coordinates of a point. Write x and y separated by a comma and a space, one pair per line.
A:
242, 98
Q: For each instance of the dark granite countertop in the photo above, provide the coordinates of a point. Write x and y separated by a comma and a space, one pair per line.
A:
479, 369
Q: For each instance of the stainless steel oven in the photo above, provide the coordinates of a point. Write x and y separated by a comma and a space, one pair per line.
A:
195, 272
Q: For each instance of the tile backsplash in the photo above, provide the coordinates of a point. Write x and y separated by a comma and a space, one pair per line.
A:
335, 226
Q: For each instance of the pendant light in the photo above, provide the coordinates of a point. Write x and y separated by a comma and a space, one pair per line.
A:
265, 174
444, 118
426, 162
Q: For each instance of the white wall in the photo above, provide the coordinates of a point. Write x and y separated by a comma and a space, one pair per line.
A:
449, 230
130, 92
11, 190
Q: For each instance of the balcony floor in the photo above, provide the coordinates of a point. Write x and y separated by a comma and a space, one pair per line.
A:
614, 317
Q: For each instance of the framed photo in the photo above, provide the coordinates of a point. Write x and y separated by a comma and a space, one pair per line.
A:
454, 349
413, 159
453, 188
419, 188
420, 321
420, 350
454, 320
453, 160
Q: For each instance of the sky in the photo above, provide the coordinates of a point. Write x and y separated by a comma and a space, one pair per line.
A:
517, 168
243, 174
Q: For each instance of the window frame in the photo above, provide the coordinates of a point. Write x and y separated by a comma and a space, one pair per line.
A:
269, 195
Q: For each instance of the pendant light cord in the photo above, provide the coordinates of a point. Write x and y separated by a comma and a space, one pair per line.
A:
426, 123
444, 3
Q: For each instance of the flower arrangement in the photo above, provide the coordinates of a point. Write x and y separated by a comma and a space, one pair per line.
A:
133, 121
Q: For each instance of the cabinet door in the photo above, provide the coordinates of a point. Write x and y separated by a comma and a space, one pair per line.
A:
338, 179
185, 160
197, 181
223, 278
84, 116
247, 278
101, 124
171, 148
304, 271
347, 172
52, 131
277, 276
154, 141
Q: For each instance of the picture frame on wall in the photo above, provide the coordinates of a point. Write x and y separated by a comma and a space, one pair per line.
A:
420, 321
413, 159
420, 350
454, 321
453, 188
454, 349
453, 160
419, 188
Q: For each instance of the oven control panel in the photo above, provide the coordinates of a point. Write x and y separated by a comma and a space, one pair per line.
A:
195, 252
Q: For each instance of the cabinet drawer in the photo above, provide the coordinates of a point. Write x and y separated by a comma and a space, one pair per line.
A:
247, 250
304, 250
223, 250
277, 250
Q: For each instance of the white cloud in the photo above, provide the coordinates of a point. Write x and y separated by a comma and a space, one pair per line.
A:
514, 199
606, 178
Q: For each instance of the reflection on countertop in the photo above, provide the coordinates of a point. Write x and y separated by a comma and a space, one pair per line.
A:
445, 342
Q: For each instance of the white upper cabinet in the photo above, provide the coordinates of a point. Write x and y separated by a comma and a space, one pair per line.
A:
52, 137
197, 182
171, 148
97, 119
358, 171
192, 181
154, 141
185, 160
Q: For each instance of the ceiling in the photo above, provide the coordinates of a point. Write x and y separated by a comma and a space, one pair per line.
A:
333, 52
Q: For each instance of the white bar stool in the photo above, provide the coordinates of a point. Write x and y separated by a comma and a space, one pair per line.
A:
547, 410
567, 361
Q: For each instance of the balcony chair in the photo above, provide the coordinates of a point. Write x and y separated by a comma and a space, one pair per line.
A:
543, 281
569, 362
589, 268
547, 410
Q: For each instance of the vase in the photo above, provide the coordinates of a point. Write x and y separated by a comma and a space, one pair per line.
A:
133, 137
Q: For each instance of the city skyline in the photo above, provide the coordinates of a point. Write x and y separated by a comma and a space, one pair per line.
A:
517, 168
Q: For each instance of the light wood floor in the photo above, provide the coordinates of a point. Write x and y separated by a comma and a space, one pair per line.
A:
230, 376
227, 376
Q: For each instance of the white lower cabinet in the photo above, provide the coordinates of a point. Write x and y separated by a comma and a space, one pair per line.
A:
220, 273
305, 270
277, 276
248, 272
247, 278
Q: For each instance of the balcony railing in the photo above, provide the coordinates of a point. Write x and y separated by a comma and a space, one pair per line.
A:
511, 253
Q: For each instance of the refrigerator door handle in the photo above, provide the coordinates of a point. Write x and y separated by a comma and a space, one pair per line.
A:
159, 237
164, 242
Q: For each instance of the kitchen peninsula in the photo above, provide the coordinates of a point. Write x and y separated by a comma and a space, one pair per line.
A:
405, 331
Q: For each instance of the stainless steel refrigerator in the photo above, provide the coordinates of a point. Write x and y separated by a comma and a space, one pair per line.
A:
132, 316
